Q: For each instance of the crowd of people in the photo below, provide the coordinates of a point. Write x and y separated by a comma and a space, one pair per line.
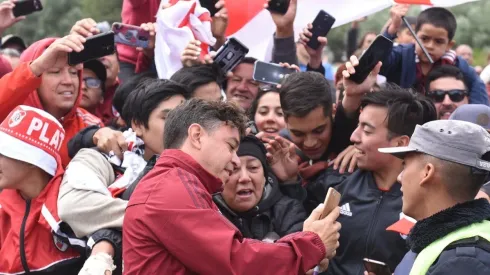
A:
116, 171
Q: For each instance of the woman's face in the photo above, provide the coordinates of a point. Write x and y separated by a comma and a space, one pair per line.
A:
244, 188
368, 40
269, 117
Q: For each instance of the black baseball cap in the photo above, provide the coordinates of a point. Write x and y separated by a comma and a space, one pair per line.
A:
98, 68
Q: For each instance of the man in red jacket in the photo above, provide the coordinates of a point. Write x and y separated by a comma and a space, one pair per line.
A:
172, 225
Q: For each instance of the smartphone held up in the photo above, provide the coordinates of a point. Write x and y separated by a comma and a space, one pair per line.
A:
26, 7
95, 47
230, 55
130, 35
270, 73
379, 50
322, 24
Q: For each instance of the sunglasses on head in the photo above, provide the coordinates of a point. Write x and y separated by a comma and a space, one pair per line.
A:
455, 95
91, 82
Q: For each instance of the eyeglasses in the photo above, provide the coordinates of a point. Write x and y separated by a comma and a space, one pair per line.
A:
455, 95
91, 82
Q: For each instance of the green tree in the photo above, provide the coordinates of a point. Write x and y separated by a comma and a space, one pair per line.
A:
103, 10
55, 20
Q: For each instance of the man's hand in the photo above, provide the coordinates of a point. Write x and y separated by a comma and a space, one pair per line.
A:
219, 24
152, 29
86, 27
110, 142
191, 55
315, 55
327, 228
56, 55
353, 91
323, 267
347, 159
285, 23
282, 158
396, 13
7, 18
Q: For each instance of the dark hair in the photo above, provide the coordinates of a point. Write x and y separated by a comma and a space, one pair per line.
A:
444, 71
303, 92
361, 42
406, 108
196, 76
412, 20
127, 87
462, 182
255, 104
439, 17
246, 60
209, 114
146, 98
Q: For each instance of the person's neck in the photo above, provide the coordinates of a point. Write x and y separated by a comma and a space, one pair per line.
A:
385, 178
31, 187
439, 200
110, 84
426, 67
148, 154
92, 110
57, 113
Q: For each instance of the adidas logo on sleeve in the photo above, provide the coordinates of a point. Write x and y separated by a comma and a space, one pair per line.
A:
345, 210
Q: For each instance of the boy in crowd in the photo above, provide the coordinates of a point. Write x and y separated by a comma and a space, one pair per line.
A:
407, 64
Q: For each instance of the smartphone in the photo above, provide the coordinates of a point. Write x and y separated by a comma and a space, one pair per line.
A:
130, 35
376, 267
321, 26
270, 73
378, 51
95, 47
230, 55
25, 7
279, 6
332, 200
210, 5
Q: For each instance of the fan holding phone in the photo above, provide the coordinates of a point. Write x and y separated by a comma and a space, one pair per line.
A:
314, 37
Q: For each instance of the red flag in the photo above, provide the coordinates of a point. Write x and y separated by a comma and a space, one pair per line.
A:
241, 12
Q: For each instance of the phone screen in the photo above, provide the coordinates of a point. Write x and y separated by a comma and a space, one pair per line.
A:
321, 26
130, 35
270, 73
378, 51
95, 47
376, 267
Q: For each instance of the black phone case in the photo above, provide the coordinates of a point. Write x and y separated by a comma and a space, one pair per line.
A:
210, 5
95, 47
279, 6
270, 73
26, 7
321, 26
378, 51
230, 55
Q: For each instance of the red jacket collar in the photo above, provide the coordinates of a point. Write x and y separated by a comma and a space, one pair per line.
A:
177, 158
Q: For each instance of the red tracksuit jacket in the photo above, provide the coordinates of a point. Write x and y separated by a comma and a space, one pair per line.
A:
172, 226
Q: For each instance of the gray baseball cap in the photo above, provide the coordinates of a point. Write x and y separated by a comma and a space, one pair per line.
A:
475, 113
451, 140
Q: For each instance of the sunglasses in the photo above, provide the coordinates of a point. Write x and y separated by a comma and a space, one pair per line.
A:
91, 82
455, 95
